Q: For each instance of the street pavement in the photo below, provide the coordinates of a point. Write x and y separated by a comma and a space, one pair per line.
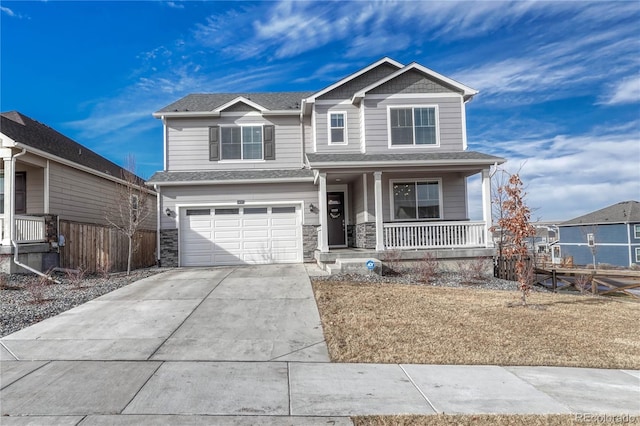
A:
244, 346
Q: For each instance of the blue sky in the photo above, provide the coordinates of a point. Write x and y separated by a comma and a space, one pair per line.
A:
559, 81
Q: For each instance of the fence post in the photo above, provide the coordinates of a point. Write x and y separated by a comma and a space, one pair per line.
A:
554, 280
594, 284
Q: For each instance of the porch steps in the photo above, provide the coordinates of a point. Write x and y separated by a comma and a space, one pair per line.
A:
354, 266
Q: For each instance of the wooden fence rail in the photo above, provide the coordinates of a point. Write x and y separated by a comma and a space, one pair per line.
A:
95, 248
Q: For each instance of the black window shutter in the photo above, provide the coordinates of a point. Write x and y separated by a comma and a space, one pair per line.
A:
214, 144
269, 142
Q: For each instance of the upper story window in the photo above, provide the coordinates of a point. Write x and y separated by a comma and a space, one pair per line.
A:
416, 199
337, 128
413, 126
242, 142
636, 231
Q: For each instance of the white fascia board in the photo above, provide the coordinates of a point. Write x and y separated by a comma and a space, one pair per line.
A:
282, 112
369, 164
185, 114
7, 142
339, 83
233, 181
241, 99
74, 165
467, 92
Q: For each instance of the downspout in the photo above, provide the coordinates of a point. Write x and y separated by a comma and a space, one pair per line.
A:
158, 219
13, 222
302, 104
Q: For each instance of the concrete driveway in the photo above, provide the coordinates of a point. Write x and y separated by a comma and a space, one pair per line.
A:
180, 348
253, 313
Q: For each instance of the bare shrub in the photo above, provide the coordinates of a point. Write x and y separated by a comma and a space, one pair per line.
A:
582, 282
391, 259
473, 271
427, 269
103, 270
76, 277
36, 286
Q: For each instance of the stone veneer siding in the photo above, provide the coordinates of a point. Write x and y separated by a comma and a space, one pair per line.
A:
169, 247
351, 235
309, 241
365, 235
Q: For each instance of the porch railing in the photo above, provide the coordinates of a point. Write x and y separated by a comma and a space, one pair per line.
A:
30, 229
424, 235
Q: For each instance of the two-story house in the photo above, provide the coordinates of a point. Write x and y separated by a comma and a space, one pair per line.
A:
377, 161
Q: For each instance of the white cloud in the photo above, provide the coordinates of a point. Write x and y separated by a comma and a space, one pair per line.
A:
624, 92
7, 11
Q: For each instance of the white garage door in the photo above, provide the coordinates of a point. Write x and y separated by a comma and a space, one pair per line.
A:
240, 235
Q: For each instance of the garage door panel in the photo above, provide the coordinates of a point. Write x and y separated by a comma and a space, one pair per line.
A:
242, 235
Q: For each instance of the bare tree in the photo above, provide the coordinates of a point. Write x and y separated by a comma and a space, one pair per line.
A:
132, 206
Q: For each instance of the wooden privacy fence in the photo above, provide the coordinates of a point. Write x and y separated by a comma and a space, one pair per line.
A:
95, 248
505, 268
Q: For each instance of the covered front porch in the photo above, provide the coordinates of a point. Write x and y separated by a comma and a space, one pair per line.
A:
366, 211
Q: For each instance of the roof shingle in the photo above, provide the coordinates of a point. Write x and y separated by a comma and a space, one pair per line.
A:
623, 212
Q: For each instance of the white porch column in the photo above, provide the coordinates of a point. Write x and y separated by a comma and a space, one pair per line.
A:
378, 202
8, 208
323, 244
486, 207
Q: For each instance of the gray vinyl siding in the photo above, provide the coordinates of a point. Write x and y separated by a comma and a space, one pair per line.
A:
35, 187
357, 195
453, 193
250, 193
322, 128
188, 143
449, 122
82, 197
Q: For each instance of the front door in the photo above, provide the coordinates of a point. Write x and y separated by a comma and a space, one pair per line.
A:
335, 219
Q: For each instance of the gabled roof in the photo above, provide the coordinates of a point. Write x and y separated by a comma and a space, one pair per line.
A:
466, 91
213, 103
623, 212
348, 78
33, 134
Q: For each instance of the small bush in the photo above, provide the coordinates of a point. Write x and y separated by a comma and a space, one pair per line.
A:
391, 259
427, 269
473, 271
36, 286
582, 282
103, 271
76, 277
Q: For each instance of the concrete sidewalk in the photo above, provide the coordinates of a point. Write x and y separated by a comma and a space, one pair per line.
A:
244, 346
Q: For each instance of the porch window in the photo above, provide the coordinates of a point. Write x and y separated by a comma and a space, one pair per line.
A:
416, 200
241, 143
337, 128
411, 126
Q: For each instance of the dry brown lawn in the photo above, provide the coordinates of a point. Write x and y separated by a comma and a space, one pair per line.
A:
460, 420
392, 323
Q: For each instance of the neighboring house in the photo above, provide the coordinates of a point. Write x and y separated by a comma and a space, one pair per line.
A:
610, 236
46, 177
376, 161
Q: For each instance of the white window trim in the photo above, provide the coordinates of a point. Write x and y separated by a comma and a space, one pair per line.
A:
636, 231
416, 180
637, 254
242, 160
414, 146
346, 134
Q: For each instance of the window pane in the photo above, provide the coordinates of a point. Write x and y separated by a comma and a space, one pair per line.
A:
404, 200
227, 211
428, 200
401, 126
198, 212
230, 143
255, 210
337, 135
425, 119
337, 120
252, 143
276, 210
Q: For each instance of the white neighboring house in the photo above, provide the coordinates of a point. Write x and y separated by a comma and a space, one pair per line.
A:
44, 177
376, 161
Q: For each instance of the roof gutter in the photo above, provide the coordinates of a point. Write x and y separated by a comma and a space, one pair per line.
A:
231, 181
368, 164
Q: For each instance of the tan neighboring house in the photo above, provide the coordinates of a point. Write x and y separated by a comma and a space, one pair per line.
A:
46, 177
375, 162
